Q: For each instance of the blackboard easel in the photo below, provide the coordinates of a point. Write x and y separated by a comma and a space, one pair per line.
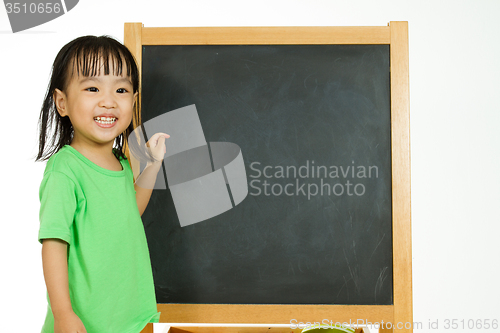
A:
396, 36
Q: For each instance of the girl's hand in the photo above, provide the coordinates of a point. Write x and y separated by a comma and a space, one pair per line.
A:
145, 183
157, 146
69, 323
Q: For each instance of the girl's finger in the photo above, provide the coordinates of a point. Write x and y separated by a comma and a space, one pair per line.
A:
161, 143
156, 135
154, 139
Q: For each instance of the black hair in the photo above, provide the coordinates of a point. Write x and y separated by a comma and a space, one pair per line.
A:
83, 55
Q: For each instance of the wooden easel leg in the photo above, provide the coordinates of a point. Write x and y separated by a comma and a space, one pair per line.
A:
148, 328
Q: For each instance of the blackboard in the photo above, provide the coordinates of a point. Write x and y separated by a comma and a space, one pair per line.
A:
292, 108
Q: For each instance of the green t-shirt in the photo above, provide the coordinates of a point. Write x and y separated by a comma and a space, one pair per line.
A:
95, 211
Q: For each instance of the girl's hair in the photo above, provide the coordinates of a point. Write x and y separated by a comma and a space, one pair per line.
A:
84, 55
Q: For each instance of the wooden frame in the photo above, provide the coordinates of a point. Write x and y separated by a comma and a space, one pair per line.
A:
395, 35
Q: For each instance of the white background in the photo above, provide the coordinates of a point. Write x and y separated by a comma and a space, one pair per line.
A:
455, 136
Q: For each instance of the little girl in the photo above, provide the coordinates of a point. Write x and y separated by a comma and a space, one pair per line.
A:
95, 256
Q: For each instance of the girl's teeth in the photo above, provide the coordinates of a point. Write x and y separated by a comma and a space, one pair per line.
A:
105, 120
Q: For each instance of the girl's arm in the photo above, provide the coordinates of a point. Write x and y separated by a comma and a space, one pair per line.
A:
146, 180
55, 271
145, 183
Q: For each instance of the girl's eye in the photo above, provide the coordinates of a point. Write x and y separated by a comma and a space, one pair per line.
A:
92, 89
121, 90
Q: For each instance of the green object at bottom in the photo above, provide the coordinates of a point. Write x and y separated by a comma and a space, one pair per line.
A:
329, 329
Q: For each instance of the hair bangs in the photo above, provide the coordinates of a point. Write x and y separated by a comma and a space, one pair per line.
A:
92, 58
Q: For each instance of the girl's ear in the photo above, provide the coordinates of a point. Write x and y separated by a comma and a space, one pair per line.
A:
135, 97
60, 101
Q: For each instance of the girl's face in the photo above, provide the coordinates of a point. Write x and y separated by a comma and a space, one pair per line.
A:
99, 107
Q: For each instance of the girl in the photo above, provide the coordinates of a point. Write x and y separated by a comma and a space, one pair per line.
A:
95, 256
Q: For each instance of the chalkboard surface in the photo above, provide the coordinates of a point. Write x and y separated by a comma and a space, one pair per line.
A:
313, 124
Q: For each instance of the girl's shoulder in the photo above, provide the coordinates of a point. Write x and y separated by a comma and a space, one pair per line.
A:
62, 160
60, 168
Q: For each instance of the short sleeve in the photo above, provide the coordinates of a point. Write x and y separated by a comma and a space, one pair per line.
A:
57, 207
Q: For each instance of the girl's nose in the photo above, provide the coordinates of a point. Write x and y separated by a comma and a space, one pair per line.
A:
107, 101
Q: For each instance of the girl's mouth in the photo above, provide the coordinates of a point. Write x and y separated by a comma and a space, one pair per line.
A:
105, 121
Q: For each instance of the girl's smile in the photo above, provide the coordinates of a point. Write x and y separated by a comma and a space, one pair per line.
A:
105, 121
